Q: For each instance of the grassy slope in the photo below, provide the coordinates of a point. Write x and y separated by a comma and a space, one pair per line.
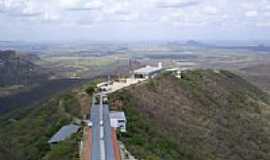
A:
24, 133
204, 116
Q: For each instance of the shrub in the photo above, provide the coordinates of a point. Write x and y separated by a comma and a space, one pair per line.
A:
90, 90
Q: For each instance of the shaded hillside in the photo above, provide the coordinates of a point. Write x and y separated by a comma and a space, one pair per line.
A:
24, 133
20, 69
259, 75
206, 115
37, 94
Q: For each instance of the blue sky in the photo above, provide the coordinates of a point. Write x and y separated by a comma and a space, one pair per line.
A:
133, 20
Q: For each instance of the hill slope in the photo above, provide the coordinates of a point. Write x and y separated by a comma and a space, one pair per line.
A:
18, 69
25, 132
206, 115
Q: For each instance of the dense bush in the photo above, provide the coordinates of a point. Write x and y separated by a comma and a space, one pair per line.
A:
90, 90
66, 150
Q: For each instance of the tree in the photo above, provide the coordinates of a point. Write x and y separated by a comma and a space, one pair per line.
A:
90, 90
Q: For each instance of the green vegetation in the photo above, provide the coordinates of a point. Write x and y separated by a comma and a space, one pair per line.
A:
81, 66
24, 133
144, 138
90, 89
66, 150
206, 115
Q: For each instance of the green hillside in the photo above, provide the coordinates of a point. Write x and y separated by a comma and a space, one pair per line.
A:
206, 115
24, 133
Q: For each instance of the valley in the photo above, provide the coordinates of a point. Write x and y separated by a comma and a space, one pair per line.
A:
220, 104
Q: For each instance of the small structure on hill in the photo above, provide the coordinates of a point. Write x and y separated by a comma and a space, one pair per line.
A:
175, 71
118, 120
64, 133
104, 86
147, 71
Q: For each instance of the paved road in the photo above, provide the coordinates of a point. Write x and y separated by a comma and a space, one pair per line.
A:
102, 146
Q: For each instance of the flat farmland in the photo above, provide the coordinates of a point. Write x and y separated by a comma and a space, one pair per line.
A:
79, 67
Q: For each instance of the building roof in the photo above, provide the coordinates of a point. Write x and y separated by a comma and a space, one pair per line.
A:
102, 84
147, 70
172, 69
64, 132
117, 115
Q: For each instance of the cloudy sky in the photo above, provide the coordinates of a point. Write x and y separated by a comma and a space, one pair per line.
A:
126, 20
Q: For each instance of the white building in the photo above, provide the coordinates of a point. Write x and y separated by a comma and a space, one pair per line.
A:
147, 71
104, 86
118, 120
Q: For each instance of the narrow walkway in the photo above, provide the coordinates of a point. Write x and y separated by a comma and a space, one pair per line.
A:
116, 147
88, 144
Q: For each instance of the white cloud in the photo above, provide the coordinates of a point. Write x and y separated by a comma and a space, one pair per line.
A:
263, 24
68, 3
128, 10
251, 13
211, 10
50, 16
153, 13
177, 3
247, 5
267, 7
30, 9
267, 14
94, 4
2, 6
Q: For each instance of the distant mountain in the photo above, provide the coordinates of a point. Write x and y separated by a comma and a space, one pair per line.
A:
193, 43
20, 69
260, 47
205, 115
197, 44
